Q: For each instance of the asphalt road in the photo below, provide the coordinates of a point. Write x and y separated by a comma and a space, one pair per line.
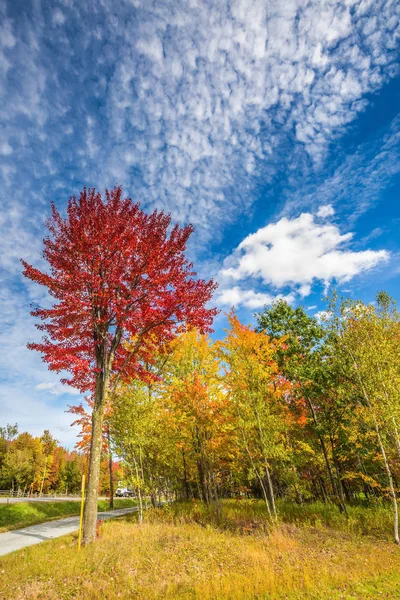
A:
21, 538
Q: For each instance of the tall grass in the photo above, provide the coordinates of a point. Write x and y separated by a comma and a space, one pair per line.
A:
375, 519
250, 516
181, 552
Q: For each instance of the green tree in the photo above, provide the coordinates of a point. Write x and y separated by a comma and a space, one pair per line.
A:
49, 444
301, 359
367, 339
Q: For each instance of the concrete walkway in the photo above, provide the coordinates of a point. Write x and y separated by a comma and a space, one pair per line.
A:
21, 538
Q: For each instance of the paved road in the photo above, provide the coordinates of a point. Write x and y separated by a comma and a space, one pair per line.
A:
21, 538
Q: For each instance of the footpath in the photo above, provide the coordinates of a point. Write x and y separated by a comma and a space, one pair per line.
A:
35, 534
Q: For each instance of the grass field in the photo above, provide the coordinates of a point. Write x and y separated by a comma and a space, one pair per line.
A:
23, 514
185, 552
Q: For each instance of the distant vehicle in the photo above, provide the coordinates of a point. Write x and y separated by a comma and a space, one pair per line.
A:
124, 493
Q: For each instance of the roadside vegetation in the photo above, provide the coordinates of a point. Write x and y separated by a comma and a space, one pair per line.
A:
22, 514
33, 465
186, 551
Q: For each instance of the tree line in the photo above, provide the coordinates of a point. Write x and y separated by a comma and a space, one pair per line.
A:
39, 465
294, 408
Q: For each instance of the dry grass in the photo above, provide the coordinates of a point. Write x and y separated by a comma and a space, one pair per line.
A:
173, 558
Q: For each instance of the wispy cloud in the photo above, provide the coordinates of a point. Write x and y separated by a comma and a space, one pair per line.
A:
221, 90
236, 296
192, 102
34, 412
357, 181
56, 388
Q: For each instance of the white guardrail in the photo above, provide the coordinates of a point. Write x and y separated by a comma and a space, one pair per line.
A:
22, 494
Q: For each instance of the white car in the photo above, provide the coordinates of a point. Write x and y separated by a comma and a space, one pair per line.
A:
124, 493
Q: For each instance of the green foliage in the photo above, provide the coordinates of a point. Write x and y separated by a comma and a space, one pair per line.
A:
9, 432
303, 336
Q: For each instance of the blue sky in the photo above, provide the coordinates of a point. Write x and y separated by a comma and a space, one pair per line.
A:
274, 127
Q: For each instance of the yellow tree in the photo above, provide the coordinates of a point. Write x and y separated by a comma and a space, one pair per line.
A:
256, 389
137, 435
369, 337
194, 396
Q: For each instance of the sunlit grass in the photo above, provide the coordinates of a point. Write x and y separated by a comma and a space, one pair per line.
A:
22, 514
249, 515
374, 519
178, 552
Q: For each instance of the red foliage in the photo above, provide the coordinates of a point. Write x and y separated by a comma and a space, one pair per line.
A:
116, 274
99, 528
84, 421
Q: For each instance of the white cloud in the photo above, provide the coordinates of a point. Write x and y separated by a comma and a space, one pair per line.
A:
56, 388
321, 315
189, 106
33, 413
5, 149
199, 100
236, 296
326, 210
58, 17
29, 393
298, 252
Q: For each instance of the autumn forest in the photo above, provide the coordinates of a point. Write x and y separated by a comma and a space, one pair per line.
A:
295, 408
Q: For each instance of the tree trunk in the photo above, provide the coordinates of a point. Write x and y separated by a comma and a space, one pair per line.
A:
387, 467
339, 475
267, 473
270, 490
199, 491
202, 468
396, 436
92, 488
139, 492
185, 479
396, 433
323, 489
390, 479
348, 492
265, 494
110, 466
260, 479
90, 510
326, 457
44, 477
202, 481
368, 489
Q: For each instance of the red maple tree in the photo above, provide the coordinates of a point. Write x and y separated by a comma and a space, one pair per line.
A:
117, 275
